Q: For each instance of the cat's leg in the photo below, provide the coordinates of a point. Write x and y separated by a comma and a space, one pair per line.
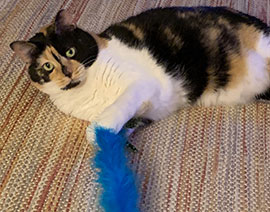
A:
126, 106
131, 126
135, 123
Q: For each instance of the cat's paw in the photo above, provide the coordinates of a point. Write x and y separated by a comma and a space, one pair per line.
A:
131, 126
135, 123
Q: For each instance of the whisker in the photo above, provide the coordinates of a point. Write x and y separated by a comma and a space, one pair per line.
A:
92, 46
81, 67
88, 58
88, 62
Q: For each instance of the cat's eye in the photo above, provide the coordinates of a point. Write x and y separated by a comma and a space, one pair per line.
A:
48, 67
71, 52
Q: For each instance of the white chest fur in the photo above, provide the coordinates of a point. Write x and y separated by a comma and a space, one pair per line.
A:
116, 68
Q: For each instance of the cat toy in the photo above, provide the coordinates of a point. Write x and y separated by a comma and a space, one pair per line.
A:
119, 192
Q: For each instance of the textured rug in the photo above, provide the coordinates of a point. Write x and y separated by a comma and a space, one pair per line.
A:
200, 159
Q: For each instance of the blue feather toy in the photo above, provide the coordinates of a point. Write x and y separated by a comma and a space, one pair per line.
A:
119, 192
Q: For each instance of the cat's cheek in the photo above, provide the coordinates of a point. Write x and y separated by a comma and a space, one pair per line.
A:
37, 85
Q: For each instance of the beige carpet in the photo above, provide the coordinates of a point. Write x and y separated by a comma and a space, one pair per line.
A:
200, 159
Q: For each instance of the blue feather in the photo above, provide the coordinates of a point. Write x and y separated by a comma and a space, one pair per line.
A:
119, 192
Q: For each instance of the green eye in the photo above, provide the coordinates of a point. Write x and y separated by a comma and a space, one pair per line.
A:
71, 52
48, 66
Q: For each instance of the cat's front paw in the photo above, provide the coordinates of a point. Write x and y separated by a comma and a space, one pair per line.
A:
136, 123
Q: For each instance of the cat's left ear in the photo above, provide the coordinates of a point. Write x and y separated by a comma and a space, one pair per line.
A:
63, 22
24, 50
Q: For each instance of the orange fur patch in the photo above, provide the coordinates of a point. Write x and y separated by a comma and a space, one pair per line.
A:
238, 69
137, 32
101, 42
44, 30
224, 22
174, 39
213, 34
249, 36
210, 39
185, 14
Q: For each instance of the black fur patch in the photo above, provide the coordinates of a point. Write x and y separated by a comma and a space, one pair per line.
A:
40, 41
85, 44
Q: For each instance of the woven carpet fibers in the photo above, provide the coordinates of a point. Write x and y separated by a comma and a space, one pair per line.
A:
200, 159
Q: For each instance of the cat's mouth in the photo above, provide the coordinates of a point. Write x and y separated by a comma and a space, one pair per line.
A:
70, 85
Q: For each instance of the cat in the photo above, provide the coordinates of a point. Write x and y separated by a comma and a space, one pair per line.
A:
150, 65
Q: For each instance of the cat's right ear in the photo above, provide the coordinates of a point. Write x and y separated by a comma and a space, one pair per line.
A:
23, 49
64, 22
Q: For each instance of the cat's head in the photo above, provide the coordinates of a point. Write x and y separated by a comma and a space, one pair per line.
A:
58, 56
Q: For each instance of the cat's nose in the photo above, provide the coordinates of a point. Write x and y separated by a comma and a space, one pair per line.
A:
66, 72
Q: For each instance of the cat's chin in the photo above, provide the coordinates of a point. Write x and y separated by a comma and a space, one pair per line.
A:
72, 84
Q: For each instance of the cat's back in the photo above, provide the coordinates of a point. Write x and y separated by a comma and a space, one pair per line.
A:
212, 49
154, 23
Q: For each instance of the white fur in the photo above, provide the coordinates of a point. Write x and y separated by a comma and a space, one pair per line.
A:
263, 46
123, 82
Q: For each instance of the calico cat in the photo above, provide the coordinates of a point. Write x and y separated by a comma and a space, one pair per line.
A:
151, 64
